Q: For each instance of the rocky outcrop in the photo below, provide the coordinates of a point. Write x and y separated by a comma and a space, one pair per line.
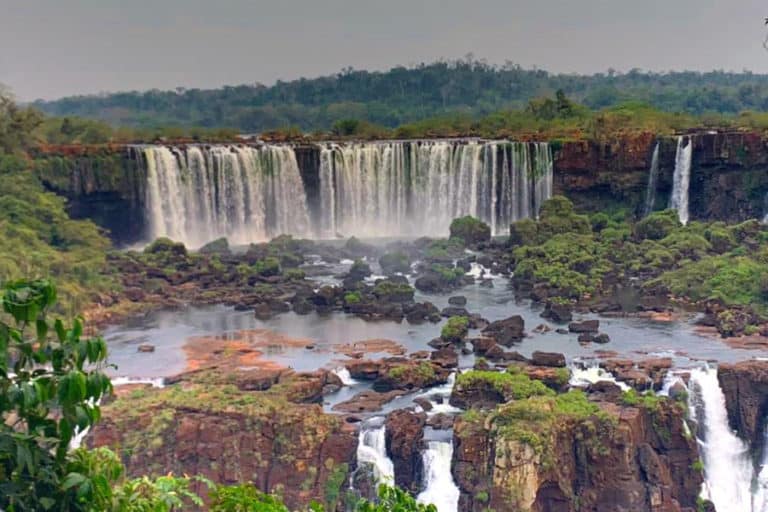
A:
404, 434
623, 459
202, 426
745, 386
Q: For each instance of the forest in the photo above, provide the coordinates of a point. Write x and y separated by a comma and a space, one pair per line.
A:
466, 88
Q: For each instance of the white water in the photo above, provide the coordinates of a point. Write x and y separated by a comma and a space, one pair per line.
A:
417, 188
343, 374
653, 178
728, 471
439, 487
195, 194
584, 375
372, 449
439, 396
681, 179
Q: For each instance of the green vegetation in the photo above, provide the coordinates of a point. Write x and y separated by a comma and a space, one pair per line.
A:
394, 262
393, 292
512, 384
38, 239
455, 329
471, 230
649, 401
454, 95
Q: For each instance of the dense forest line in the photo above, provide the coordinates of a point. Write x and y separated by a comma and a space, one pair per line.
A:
403, 95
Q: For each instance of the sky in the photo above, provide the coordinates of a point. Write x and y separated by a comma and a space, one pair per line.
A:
55, 48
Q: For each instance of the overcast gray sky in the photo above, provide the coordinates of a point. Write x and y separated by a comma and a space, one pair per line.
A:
52, 48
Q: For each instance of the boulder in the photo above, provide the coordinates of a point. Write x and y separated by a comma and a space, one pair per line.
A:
745, 386
508, 331
551, 359
557, 312
457, 300
404, 431
586, 326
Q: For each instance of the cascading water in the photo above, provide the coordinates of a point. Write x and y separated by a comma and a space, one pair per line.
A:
728, 470
417, 188
195, 194
439, 488
681, 179
653, 178
372, 450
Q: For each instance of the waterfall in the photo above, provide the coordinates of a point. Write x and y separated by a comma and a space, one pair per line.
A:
584, 374
681, 179
346, 378
653, 177
396, 188
372, 450
728, 471
439, 487
196, 194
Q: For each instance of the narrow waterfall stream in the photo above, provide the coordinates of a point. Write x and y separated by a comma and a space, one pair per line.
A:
372, 450
681, 180
653, 178
439, 488
728, 471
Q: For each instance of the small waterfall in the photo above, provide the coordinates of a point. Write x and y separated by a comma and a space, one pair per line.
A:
346, 378
196, 194
439, 486
653, 178
681, 180
397, 188
372, 450
728, 471
584, 374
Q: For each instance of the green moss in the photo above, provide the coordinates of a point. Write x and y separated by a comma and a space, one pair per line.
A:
352, 298
269, 266
455, 329
470, 230
394, 262
511, 384
649, 400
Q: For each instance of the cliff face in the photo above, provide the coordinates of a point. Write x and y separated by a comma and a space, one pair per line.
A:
641, 462
745, 386
729, 173
729, 177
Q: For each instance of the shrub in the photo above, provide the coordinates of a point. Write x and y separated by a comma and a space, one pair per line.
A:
269, 266
394, 262
657, 225
455, 329
471, 230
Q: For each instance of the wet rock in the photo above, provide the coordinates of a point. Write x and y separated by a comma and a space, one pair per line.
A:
542, 328
506, 332
367, 401
146, 347
409, 375
486, 283
561, 331
607, 390
303, 307
454, 311
421, 312
586, 326
482, 344
552, 359
404, 432
363, 369
678, 391
457, 300
441, 421
558, 313
424, 403
601, 338
445, 357
585, 337
745, 386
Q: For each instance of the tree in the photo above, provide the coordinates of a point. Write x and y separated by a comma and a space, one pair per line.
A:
50, 387
17, 125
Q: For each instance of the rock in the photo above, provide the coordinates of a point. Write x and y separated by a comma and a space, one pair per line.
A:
601, 338
495, 353
363, 369
454, 311
558, 313
409, 375
745, 386
457, 300
482, 344
134, 294
424, 403
486, 283
367, 401
678, 391
542, 328
551, 359
441, 421
471, 230
630, 466
561, 331
445, 357
302, 307
506, 332
146, 347
585, 337
219, 246
586, 326
404, 431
